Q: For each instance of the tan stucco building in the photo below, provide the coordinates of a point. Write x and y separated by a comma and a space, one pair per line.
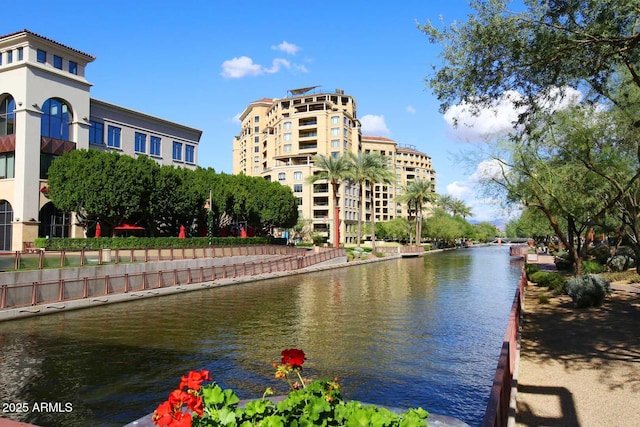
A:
46, 109
279, 138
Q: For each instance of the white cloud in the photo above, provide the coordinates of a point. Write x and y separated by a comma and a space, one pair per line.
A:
240, 67
243, 66
411, 109
470, 124
488, 170
287, 47
460, 190
374, 125
276, 65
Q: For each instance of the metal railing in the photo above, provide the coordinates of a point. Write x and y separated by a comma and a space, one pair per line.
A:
497, 413
35, 293
55, 259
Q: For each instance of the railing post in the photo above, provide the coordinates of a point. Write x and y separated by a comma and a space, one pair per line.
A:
126, 283
62, 258
41, 260
61, 290
82, 257
159, 278
99, 257
34, 293
3, 296
85, 287
106, 285
16, 261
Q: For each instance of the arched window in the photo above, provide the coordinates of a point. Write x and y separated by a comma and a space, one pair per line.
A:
56, 119
6, 217
54, 222
7, 116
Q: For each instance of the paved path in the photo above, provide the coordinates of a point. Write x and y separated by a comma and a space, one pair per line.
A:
579, 367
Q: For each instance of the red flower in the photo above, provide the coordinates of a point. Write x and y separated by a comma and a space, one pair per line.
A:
194, 379
163, 415
293, 357
181, 420
195, 403
177, 398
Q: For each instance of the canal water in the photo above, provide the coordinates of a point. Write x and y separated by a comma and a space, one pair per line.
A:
409, 332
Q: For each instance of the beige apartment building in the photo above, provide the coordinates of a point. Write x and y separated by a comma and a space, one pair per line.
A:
45, 110
279, 138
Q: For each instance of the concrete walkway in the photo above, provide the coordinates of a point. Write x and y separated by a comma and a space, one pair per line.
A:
579, 367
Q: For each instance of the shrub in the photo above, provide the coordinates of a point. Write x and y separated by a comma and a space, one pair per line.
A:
318, 240
563, 261
543, 299
554, 281
591, 267
529, 269
601, 253
588, 291
622, 260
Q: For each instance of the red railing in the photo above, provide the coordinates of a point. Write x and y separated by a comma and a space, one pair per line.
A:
497, 413
35, 293
53, 259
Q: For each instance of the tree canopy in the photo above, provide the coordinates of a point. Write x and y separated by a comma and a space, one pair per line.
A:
112, 188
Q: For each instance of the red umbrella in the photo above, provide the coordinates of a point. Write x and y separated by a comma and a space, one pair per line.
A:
182, 234
243, 232
98, 230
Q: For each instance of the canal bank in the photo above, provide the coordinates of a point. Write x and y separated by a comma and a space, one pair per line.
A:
88, 302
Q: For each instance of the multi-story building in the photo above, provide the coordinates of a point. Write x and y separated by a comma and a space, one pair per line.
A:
45, 110
280, 137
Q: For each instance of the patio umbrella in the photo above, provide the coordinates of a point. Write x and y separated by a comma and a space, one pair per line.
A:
182, 234
98, 230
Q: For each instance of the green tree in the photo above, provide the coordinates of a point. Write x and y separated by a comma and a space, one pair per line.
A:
531, 223
537, 56
485, 231
417, 194
105, 186
334, 170
368, 167
548, 45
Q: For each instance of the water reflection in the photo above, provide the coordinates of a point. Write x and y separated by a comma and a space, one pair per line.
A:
412, 332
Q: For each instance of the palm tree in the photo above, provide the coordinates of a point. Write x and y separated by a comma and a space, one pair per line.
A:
418, 193
459, 207
335, 170
368, 167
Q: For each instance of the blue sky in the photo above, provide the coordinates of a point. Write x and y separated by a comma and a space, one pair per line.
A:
201, 62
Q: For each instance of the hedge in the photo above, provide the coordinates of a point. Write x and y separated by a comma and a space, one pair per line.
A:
67, 244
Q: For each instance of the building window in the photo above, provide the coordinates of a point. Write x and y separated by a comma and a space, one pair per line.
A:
256, 169
256, 129
154, 146
287, 125
287, 137
57, 62
335, 154
297, 176
177, 150
189, 153
282, 176
7, 165
41, 56
256, 119
297, 188
256, 159
96, 133
9, 57
256, 149
6, 228
55, 120
344, 132
335, 143
113, 136
140, 144
20, 54
73, 67
299, 200
335, 120
287, 148
256, 139
335, 131
7, 116
346, 144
